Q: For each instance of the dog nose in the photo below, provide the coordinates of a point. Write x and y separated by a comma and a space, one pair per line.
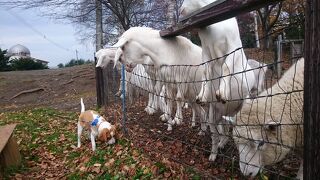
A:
198, 101
250, 174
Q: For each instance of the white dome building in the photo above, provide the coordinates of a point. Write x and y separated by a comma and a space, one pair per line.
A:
19, 51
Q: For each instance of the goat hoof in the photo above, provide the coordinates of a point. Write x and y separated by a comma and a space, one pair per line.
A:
171, 122
163, 118
198, 101
218, 97
193, 124
177, 120
169, 128
201, 133
149, 110
223, 142
212, 157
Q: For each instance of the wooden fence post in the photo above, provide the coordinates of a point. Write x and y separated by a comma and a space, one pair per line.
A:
100, 90
99, 45
312, 92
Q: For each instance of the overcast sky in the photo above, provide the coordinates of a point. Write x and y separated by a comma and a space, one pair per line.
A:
27, 28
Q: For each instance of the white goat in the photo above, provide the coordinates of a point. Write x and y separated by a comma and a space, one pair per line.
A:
142, 45
259, 70
105, 56
222, 45
268, 128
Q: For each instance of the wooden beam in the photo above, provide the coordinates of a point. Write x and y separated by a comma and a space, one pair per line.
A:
213, 13
9, 151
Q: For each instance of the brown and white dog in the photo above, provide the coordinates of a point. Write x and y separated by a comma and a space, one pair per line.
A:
97, 125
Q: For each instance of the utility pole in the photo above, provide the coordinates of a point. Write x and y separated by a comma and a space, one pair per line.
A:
77, 55
99, 45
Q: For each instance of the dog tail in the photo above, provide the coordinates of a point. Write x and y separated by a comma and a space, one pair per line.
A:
82, 105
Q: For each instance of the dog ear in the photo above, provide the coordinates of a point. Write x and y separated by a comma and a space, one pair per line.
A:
103, 136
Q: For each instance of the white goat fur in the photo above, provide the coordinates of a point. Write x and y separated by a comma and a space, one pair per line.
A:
259, 70
219, 40
105, 56
142, 45
268, 119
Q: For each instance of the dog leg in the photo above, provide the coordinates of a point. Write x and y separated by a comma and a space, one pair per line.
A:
80, 128
93, 142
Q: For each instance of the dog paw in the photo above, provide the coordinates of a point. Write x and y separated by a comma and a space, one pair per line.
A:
212, 157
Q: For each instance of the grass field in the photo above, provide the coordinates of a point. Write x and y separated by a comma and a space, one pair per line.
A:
47, 141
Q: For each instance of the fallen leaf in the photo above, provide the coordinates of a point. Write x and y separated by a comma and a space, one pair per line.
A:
167, 174
83, 169
109, 163
96, 169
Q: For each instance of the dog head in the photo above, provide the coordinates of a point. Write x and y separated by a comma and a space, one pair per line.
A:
108, 134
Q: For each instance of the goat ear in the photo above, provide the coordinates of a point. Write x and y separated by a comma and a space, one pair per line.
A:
272, 125
117, 56
230, 119
120, 43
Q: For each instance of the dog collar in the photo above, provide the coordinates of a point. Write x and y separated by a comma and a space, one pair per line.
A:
95, 121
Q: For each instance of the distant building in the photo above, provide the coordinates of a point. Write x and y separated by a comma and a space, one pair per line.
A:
19, 51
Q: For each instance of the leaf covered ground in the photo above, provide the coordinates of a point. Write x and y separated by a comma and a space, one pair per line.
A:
47, 141
46, 133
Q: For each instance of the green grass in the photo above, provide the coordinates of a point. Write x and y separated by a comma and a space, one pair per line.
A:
47, 137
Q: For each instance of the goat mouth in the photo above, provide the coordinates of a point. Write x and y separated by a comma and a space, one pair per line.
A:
129, 67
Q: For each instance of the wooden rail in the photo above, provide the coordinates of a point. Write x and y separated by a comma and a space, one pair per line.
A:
9, 151
213, 13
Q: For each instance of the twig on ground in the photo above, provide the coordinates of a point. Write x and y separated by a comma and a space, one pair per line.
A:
27, 91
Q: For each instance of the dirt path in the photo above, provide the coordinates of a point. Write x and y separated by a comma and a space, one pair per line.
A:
56, 88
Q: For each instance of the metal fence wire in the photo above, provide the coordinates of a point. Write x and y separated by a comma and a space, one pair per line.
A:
257, 131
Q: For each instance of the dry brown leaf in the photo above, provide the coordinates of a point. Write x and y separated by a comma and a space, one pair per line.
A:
109, 163
83, 169
167, 174
96, 169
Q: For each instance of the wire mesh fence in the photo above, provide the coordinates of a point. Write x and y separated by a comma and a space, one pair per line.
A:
246, 122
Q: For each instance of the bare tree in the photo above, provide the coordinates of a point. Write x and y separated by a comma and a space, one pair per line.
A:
118, 15
268, 17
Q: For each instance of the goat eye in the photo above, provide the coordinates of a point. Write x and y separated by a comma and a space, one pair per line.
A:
261, 143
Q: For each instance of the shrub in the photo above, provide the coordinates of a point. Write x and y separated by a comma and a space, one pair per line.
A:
26, 64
